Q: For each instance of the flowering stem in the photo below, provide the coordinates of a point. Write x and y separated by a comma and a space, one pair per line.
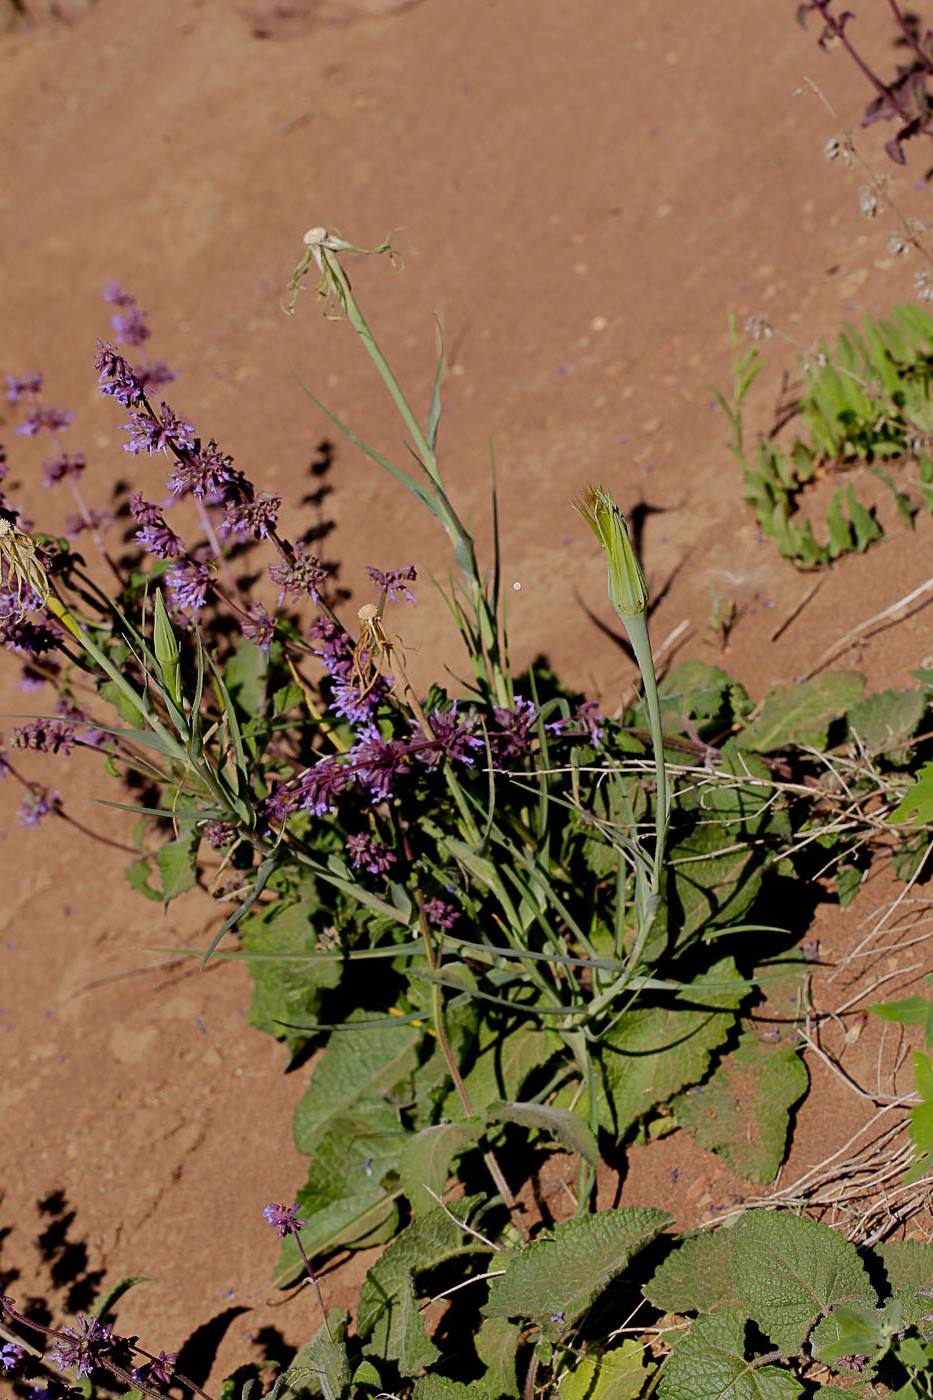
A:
314, 1280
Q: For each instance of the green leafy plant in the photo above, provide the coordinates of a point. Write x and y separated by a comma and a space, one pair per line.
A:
863, 410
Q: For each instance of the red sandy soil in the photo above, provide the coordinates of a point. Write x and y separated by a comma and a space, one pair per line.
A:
583, 192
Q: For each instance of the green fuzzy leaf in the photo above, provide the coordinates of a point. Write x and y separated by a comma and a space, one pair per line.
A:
137, 875
803, 713
323, 1364
710, 1362
916, 807
357, 1064
789, 1271
921, 1119
287, 994
908, 1265
285, 699
850, 1329
743, 1112
568, 1128
696, 1276
177, 862
439, 1388
400, 1335
426, 1158
563, 1275
112, 1295
886, 721
617, 1374
388, 1317
503, 1064
497, 1343
245, 677
654, 1052
910, 1011
358, 1221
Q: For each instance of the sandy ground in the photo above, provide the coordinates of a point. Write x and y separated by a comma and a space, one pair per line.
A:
582, 193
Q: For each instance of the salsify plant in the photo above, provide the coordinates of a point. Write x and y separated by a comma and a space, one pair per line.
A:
505, 914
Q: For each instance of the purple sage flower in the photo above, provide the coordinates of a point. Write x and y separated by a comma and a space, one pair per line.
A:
513, 734
82, 1346
218, 834
255, 518
27, 385
131, 328
44, 419
115, 294
303, 576
66, 465
336, 650
394, 582
372, 855
440, 914
116, 378
157, 1371
259, 627
12, 1356
206, 471
284, 1219
45, 736
321, 785
36, 805
189, 584
377, 762
454, 738
165, 433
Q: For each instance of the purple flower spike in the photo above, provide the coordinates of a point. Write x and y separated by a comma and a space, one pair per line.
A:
284, 1219
377, 762
259, 627
189, 585
66, 465
44, 419
44, 736
256, 518
11, 1356
394, 582
513, 735
158, 1371
207, 472
131, 329
163, 434
116, 378
37, 805
115, 294
453, 738
369, 853
84, 1345
321, 785
17, 389
440, 914
302, 577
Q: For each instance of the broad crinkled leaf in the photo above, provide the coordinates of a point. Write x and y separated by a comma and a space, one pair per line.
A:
428, 1241
885, 722
563, 1275
425, 1160
696, 1276
654, 1052
617, 1374
440, 1388
568, 1128
743, 1111
497, 1343
177, 865
286, 994
909, 1268
709, 1363
802, 714
790, 1271
359, 1063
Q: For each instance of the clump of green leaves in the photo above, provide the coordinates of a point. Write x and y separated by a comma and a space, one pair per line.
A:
863, 409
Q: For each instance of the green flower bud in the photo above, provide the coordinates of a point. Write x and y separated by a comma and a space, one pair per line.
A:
628, 592
166, 651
